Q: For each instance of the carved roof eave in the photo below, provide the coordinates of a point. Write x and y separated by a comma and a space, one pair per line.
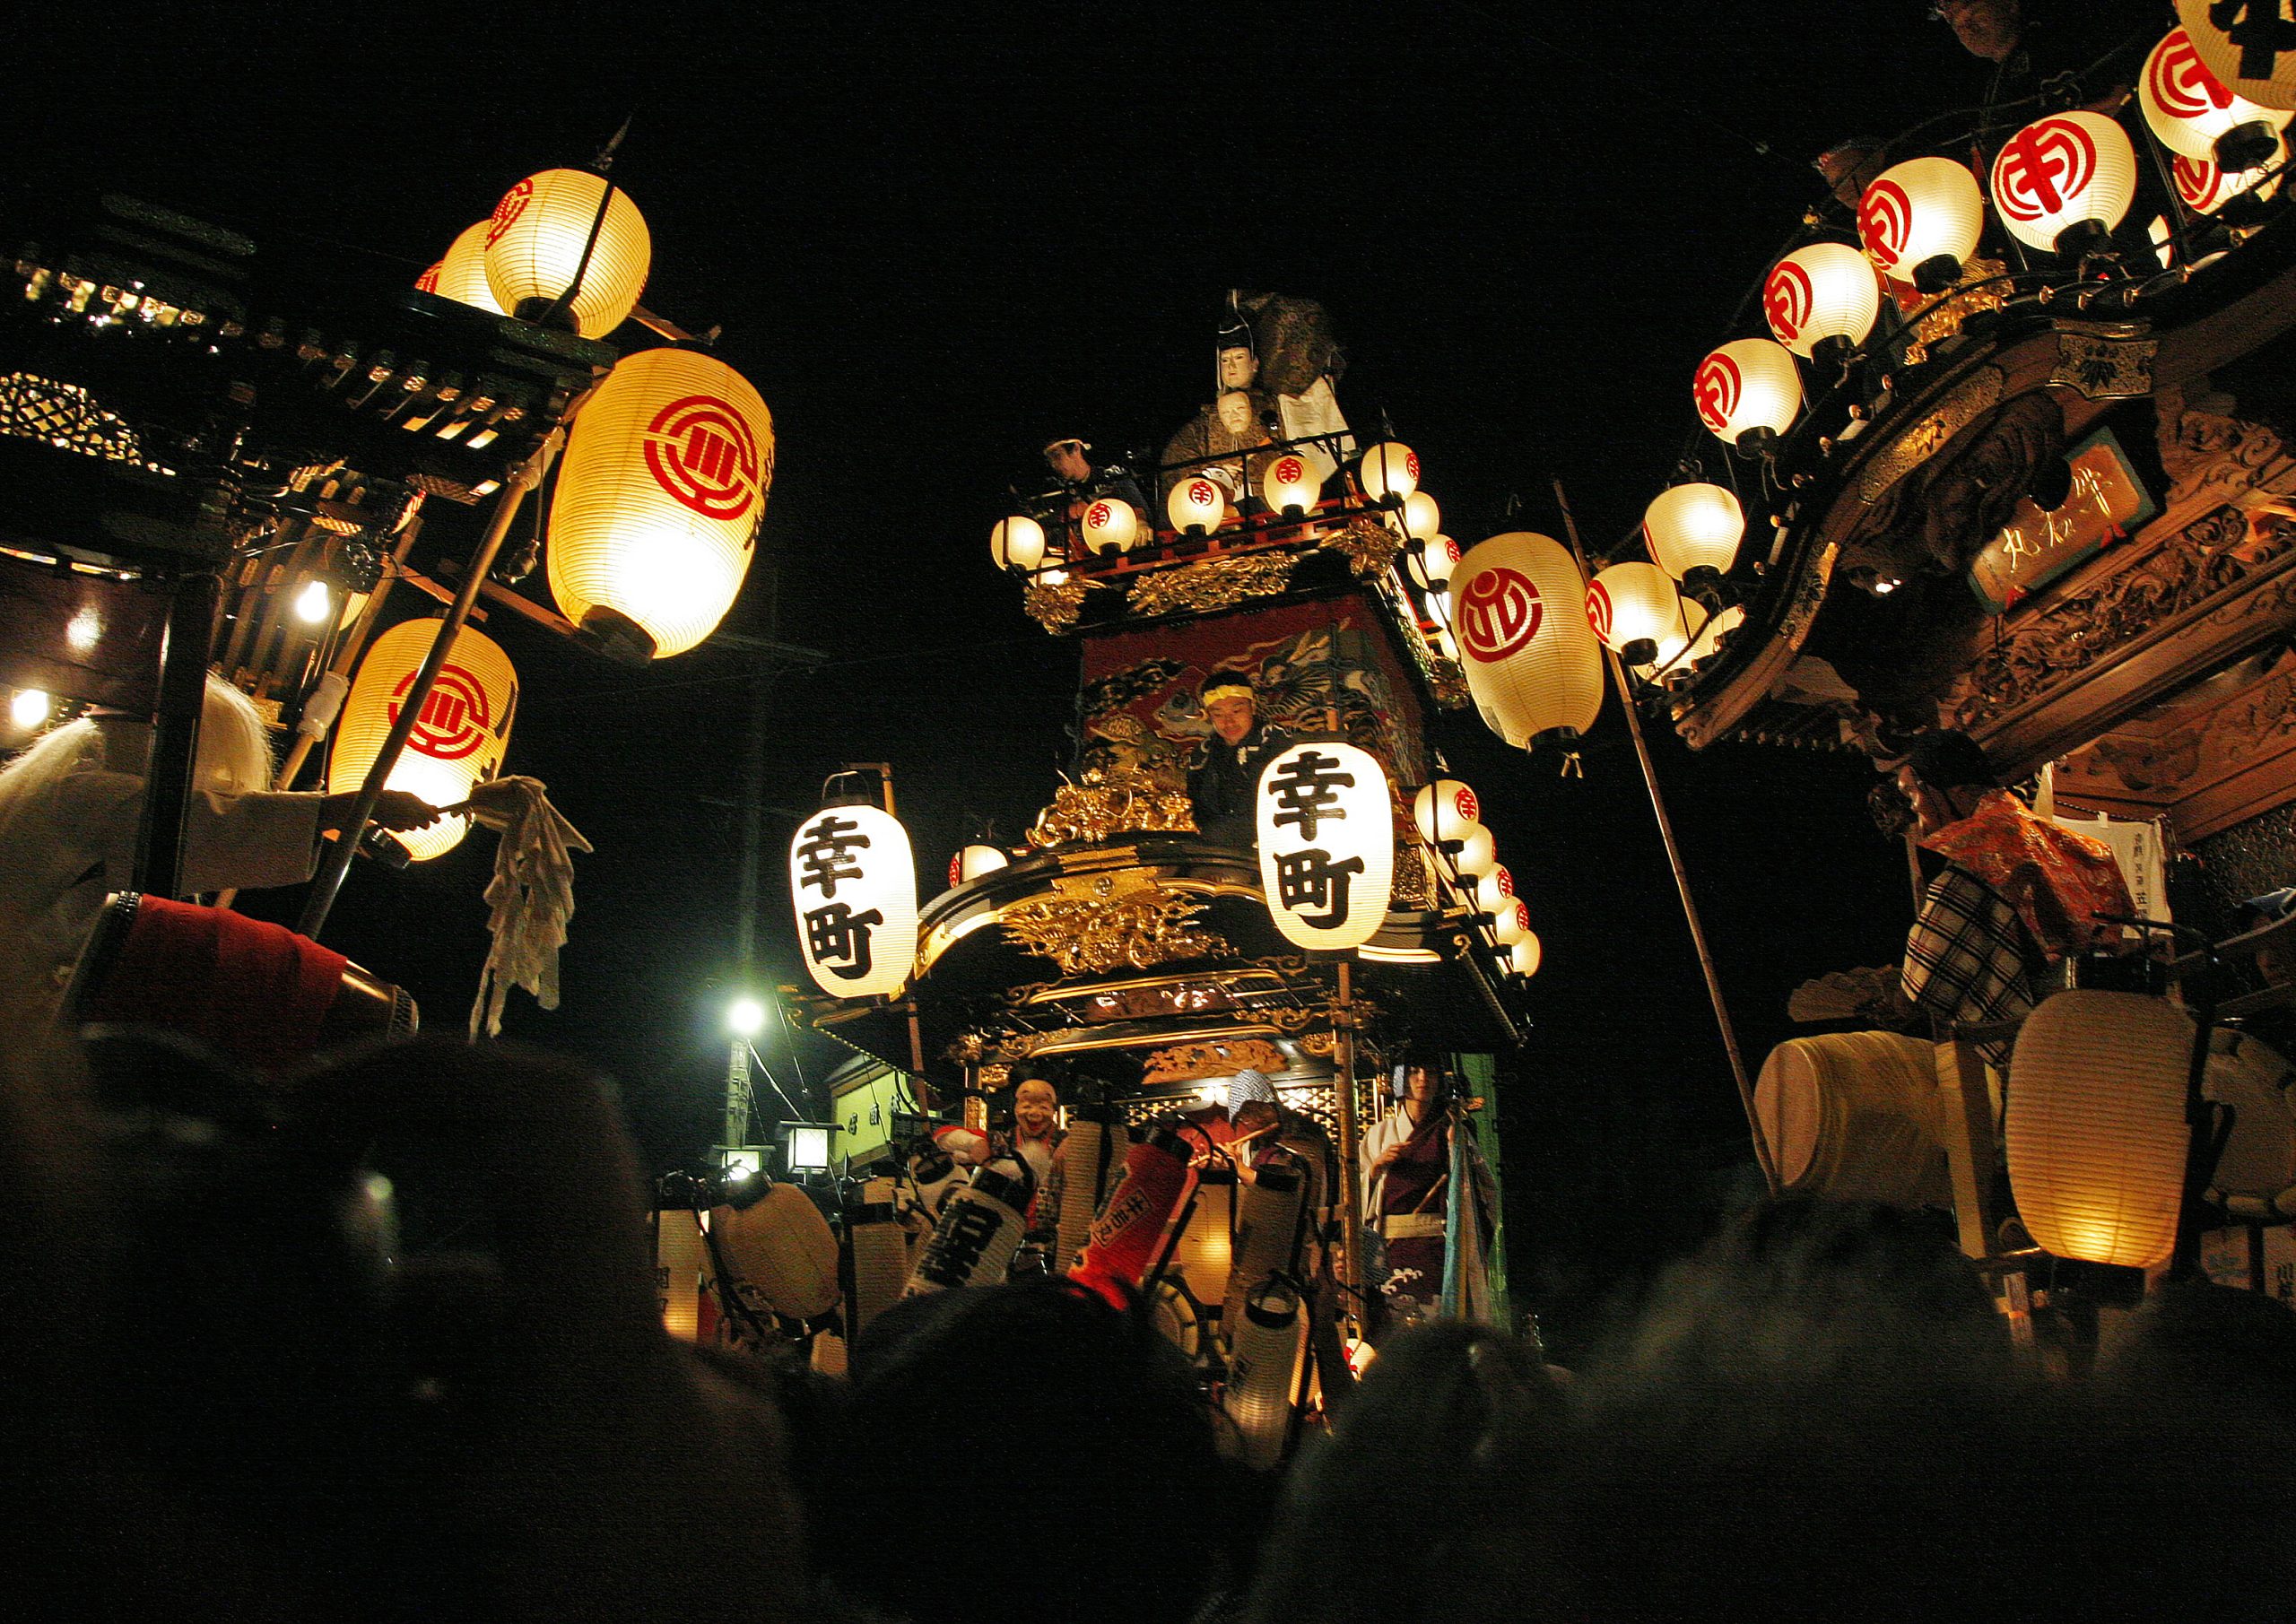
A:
1829, 513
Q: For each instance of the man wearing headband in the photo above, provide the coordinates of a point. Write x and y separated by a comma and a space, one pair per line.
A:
1221, 784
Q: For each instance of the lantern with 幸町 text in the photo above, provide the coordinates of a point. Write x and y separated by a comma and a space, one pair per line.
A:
461, 275
2096, 1129
1195, 504
458, 738
1920, 220
1748, 392
1531, 659
853, 883
1823, 292
2194, 115
1017, 542
1389, 472
1109, 523
1445, 811
545, 241
658, 500
1326, 844
2064, 182
1632, 604
1694, 527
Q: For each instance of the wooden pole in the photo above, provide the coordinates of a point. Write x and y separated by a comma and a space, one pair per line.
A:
1350, 1225
1682, 880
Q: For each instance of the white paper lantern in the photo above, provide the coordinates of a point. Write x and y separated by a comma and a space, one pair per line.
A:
1110, 525
1694, 527
658, 501
974, 860
1748, 386
1920, 220
1389, 472
2069, 172
1326, 844
1423, 518
458, 740
854, 885
1523, 955
1820, 291
2189, 109
1433, 563
2096, 1130
1017, 542
1477, 854
1445, 809
1532, 661
461, 275
1634, 602
1195, 503
1492, 893
535, 244
2252, 51
1509, 925
2206, 188
1291, 483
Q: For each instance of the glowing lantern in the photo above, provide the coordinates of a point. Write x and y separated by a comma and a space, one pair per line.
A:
2194, 115
974, 860
461, 275
2207, 188
1818, 294
2245, 46
1634, 602
1920, 220
1694, 527
2063, 182
1494, 893
1477, 854
1389, 472
1748, 392
1531, 660
1292, 484
2096, 1129
1326, 844
535, 243
1017, 542
854, 885
1196, 504
659, 502
458, 740
1709, 640
1509, 925
1111, 523
1433, 563
1422, 519
1445, 809
1524, 955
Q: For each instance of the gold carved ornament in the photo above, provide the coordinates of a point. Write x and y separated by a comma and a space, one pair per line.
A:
1194, 1061
1371, 547
1054, 604
1911, 448
1109, 922
1111, 802
1981, 288
1212, 584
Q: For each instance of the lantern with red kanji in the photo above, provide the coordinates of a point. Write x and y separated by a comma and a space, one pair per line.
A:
1532, 661
551, 254
2064, 182
461, 275
1748, 392
1823, 293
2194, 115
1920, 220
458, 738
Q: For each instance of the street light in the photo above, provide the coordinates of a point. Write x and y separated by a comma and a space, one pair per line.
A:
745, 1017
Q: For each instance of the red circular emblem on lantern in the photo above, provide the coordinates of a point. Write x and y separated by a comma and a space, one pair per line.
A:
1202, 493
1451, 550
1290, 470
1885, 221
956, 870
1499, 613
1523, 915
1098, 515
1506, 881
1411, 466
1786, 299
454, 718
428, 283
507, 211
701, 450
1717, 391
1465, 803
2197, 180
2180, 80
1599, 609
2044, 167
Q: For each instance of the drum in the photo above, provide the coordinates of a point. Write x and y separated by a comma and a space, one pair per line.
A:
2255, 1176
1853, 1115
1206, 1251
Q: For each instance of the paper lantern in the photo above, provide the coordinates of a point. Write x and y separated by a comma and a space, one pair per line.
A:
1509, 925
1920, 220
1195, 504
1492, 893
974, 860
1423, 518
2206, 188
1266, 1343
1292, 484
1822, 292
1433, 563
1110, 525
1326, 844
658, 501
1709, 640
2096, 1129
854, 885
2251, 51
1748, 391
1476, 856
2063, 182
2191, 111
1445, 809
1694, 527
1524, 955
1532, 661
1017, 542
1389, 472
535, 244
458, 740
461, 275
1634, 602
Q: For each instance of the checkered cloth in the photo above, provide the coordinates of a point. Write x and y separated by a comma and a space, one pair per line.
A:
1965, 957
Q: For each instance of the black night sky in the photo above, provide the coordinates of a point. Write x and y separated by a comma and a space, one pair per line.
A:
937, 240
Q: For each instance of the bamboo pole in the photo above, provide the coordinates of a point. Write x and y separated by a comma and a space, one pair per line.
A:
1681, 879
